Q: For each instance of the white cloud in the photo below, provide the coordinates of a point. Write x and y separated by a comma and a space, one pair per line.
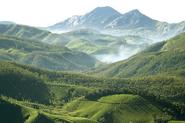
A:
48, 12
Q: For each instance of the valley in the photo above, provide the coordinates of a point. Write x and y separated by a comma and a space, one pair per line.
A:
100, 67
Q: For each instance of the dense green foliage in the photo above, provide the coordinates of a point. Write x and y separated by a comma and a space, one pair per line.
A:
22, 84
164, 92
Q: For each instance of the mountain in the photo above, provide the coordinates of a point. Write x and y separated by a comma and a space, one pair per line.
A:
165, 57
131, 20
43, 55
101, 46
109, 21
100, 16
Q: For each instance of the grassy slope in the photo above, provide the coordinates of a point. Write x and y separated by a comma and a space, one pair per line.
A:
95, 43
165, 57
114, 109
32, 33
42, 55
13, 111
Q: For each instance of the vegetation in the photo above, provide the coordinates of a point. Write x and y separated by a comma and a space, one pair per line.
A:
43, 55
114, 109
166, 93
165, 58
148, 87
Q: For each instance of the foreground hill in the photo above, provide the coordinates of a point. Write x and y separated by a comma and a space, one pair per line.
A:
22, 84
114, 109
42, 55
162, 58
56, 89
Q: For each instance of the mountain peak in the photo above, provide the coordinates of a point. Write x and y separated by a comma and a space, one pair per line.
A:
105, 10
108, 8
134, 12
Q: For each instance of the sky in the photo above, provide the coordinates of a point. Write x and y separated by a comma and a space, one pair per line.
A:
48, 12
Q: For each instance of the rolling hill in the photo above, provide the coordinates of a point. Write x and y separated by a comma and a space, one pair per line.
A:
162, 58
22, 84
103, 46
43, 55
114, 109
63, 91
92, 42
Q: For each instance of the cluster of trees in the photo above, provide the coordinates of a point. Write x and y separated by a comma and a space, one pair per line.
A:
22, 84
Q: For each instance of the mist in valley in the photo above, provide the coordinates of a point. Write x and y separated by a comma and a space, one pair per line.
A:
123, 53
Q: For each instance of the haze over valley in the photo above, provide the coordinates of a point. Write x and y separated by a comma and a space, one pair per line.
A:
102, 66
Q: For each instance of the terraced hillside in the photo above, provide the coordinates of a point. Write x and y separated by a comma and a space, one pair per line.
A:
114, 109
58, 89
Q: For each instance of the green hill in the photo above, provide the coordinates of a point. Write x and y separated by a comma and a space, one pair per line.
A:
42, 55
32, 33
162, 58
114, 109
88, 41
95, 43
63, 88
22, 84
13, 111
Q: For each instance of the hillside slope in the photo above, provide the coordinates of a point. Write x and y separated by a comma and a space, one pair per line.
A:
114, 109
22, 84
42, 55
84, 40
60, 88
161, 58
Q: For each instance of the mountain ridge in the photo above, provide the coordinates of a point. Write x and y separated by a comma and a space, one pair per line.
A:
110, 21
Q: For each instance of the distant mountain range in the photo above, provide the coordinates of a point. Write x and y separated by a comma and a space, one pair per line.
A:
108, 20
104, 47
103, 33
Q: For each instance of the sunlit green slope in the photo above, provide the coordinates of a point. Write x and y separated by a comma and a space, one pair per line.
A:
162, 58
43, 55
